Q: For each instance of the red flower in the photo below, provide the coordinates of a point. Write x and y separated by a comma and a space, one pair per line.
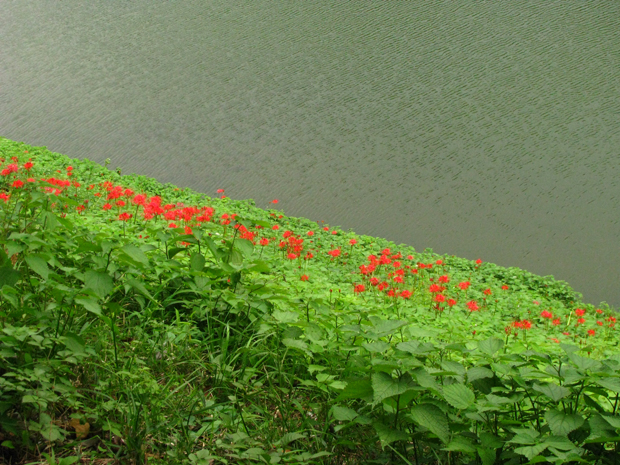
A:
310, 233
274, 201
353, 241
359, 288
275, 227
120, 203
451, 302
580, 312
17, 183
304, 277
124, 216
487, 292
409, 257
334, 232
436, 288
439, 298
591, 332
546, 314
325, 228
439, 262
374, 281
264, 241
398, 279
473, 306
526, 324
107, 206
504, 287
334, 253
69, 168
600, 323
139, 199
464, 285
4, 197
599, 311
478, 262
581, 321
28, 165
556, 322
405, 294
220, 191
444, 279
291, 256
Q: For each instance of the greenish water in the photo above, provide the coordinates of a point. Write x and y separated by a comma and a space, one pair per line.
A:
479, 129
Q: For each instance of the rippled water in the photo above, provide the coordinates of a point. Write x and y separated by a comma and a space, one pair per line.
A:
480, 129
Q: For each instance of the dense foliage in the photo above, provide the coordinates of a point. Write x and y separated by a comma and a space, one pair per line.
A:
142, 323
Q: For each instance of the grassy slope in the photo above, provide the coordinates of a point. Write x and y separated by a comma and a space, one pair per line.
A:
180, 347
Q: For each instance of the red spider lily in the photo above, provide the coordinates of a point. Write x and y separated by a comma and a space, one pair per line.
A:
274, 201
188, 230
398, 279
600, 323
439, 262
353, 241
291, 256
308, 256
325, 228
264, 242
334, 253
472, 305
405, 294
383, 286
436, 288
120, 203
444, 279
139, 199
556, 322
359, 288
17, 183
504, 287
374, 281
28, 166
220, 191
107, 206
391, 293
451, 302
124, 216
396, 264
464, 285
386, 252
546, 314
80, 208
304, 277
275, 227
581, 321
591, 332
439, 298
310, 233
523, 324
409, 257
599, 311
4, 196
487, 292
172, 226
580, 312
478, 262
286, 234
334, 232
69, 168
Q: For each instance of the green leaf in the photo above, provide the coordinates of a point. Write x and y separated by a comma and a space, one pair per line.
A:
491, 345
217, 253
38, 265
285, 317
74, 343
244, 246
531, 451
386, 327
357, 389
288, 438
583, 363
135, 254
100, 283
613, 384
475, 373
377, 346
384, 386
89, 304
296, 344
552, 390
461, 444
197, 262
458, 395
343, 413
138, 286
388, 435
172, 251
562, 423
8, 276
487, 456
559, 442
432, 418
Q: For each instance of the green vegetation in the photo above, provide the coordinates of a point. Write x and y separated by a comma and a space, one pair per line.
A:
141, 323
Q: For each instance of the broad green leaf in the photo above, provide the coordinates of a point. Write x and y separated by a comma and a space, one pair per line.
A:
289, 437
89, 304
377, 346
454, 367
475, 373
343, 413
172, 251
461, 444
38, 265
583, 363
384, 386
531, 451
559, 442
458, 395
613, 384
552, 390
612, 420
138, 286
491, 345
100, 283
189, 238
357, 389
74, 343
432, 418
197, 262
135, 254
562, 423
217, 253
388, 435
487, 456
386, 327
8, 276
296, 344
285, 317
244, 246
259, 266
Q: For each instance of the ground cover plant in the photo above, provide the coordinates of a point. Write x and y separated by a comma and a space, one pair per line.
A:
143, 323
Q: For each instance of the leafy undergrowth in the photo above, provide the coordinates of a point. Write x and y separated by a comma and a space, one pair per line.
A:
142, 323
